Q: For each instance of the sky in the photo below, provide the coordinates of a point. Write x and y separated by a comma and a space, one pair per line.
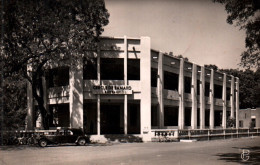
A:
196, 29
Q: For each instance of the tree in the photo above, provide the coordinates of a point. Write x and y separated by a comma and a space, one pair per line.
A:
212, 66
15, 108
40, 32
245, 14
249, 86
179, 56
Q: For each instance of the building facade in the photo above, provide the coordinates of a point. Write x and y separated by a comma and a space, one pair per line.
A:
125, 87
249, 118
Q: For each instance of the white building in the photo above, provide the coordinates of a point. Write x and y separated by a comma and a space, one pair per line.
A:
125, 87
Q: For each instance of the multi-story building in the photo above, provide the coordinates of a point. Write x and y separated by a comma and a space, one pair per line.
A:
125, 87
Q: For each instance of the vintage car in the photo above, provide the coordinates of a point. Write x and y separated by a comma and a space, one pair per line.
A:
63, 136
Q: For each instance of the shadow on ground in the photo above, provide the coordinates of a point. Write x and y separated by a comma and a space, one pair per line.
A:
252, 157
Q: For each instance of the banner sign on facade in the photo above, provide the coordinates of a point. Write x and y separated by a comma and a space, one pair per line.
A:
112, 89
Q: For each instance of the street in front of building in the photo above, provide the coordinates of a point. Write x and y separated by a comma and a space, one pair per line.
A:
231, 151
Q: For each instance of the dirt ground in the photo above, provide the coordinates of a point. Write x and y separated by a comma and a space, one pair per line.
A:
201, 152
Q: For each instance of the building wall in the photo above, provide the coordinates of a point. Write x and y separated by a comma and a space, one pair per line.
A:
246, 116
173, 88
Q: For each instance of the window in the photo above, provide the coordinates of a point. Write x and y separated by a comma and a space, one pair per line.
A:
60, 115
198, 87
187, 116
252, 124
217, 118
171, 81
198, 117
171, 116
207, 89
218, 91
90, 69
58, 77
207, 113
187, 84
154, 115
90, 117
112, 68
228, 93
133, 120
154, 73
133, 69
240, 123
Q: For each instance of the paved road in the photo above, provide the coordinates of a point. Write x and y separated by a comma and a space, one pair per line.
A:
204, 152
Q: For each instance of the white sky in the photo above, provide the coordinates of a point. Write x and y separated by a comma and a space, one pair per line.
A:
197, 29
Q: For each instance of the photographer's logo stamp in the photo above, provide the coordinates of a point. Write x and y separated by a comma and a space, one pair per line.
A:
245, 155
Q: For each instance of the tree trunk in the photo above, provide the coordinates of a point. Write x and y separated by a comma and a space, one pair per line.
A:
38, 94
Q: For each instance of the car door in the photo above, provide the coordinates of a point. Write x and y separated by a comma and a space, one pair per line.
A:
61, 138
70, 137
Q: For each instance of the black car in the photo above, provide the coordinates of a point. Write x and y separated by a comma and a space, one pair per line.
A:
63, 136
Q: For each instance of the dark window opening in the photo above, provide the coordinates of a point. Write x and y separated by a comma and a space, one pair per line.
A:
207, 85
58, 77
112, 68
133, 69
240, 123
198, 87
187, 84
218, 91
171, 116
154, 115
60, 115
228, 93
154, 73
198, 117
187, 115
171, 81
90, 69
90, 117
252, 124
133, 118
110, 118
207, 117
218, 118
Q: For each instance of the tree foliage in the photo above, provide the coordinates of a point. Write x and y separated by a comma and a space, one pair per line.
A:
249, 86
211, 66
246, 15
40, 32
15, 100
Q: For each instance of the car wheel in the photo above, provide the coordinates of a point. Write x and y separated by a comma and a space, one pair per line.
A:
43, 143
81, 141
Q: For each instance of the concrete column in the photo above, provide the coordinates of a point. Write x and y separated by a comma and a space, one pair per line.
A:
237, 102
194, 97
145, 62
211, 97
98, 96
76, 95
202, 98
232, 94
181, 95
160, 87
126, 83
224, 98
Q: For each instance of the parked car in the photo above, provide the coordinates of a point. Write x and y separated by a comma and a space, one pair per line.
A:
63, 136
